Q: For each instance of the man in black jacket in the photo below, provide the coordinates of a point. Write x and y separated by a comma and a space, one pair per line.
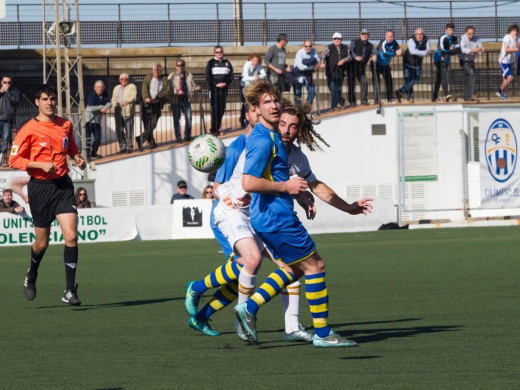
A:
333, 59
417, 48
361, 51
219, 74
9, 98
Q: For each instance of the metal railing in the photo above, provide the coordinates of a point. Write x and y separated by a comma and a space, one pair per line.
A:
177, 24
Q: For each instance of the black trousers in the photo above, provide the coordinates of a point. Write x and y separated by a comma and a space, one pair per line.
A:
217, 99
386, 72
153, 113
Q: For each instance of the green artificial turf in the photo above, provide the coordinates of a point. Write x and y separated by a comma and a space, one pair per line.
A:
430, 309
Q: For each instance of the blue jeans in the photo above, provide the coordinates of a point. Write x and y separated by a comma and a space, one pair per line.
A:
335, 92
411, 77
184, 106
5, 128
309, 85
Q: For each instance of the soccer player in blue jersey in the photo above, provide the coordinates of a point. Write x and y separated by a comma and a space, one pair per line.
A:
266, 177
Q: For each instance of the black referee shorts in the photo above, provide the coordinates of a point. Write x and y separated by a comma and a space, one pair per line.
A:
48, 198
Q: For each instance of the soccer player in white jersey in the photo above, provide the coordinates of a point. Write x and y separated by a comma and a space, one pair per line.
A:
509, 46
232, 219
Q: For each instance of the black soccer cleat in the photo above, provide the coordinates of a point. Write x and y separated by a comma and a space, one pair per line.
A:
29, 286
70, 296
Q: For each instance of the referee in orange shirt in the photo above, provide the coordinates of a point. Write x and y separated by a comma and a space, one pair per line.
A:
41, 148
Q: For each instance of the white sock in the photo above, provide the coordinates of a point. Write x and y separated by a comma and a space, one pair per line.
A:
291, 306
246, 285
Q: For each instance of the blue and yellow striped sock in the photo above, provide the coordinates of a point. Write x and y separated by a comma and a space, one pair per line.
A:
222, 297
221, 276
318, 297
274, 283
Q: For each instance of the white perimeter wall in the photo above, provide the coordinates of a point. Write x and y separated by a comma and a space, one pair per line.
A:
358, 164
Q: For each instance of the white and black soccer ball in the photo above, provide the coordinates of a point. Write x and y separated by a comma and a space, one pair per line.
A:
206, 153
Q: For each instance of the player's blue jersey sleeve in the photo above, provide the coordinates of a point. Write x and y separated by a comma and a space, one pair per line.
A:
233, 152
259, 150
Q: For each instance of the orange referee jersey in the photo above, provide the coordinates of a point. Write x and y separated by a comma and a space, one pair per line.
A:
44, 142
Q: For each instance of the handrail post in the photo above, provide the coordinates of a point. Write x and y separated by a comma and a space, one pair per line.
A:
169, 27
218, 25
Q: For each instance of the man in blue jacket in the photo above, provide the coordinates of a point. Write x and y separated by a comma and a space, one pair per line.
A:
387, 49
446, 47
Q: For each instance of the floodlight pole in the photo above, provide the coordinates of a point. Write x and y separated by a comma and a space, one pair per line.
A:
58, 63
238, 23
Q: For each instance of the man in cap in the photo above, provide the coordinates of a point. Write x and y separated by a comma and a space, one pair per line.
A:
182, 189
361, 51
333, 59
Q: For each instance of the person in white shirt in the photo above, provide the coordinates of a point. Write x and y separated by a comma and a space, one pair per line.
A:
469, 46
509, 46
252, 70
306, 63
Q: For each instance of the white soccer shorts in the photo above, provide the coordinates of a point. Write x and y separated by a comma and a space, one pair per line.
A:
235, 224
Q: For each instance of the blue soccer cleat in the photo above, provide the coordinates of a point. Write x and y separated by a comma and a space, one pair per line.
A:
202, 327
247, 322
332, 340
192, 299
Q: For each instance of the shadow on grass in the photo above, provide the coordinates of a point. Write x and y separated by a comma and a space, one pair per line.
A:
114, 304
373, 335
359, 357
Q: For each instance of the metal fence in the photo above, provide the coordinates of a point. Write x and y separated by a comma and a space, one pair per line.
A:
177, 24
488, 78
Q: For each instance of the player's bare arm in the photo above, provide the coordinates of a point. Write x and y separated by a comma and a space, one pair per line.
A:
328, 195
255, 184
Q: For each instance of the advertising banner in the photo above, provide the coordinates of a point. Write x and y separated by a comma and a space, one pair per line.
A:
191, 218
499, 170
94, 225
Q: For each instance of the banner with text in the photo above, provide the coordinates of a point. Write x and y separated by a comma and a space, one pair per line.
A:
499, 173
94, 225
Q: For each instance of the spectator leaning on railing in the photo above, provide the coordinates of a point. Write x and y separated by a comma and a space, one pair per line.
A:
182, 89
446, 47
469, 46
362, 51
9, 98
509, 46
305, 64
276, 62
333, 59
387, 49
154, 93
251, 71
123, 101
418, 47
98, 104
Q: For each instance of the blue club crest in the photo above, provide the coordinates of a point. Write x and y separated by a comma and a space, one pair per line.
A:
501, 150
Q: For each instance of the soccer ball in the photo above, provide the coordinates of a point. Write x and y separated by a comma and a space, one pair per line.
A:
206, 153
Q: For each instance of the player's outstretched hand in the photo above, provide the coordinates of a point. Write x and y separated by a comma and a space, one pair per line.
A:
306, 200
362, 206
295, 185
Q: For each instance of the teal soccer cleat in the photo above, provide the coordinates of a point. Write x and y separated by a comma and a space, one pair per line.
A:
332, 340
202, 327
192, 299
240, 332
247, 322
298, 335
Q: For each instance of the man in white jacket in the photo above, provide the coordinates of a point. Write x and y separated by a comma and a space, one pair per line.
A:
123, 101
306, 63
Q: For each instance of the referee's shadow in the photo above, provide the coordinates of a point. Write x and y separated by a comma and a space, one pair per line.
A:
114, 304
